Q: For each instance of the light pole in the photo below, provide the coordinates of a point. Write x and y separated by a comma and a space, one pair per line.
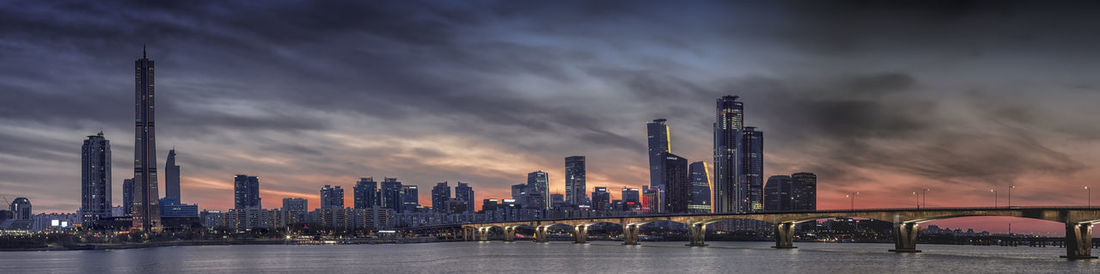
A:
852, 196
915, 195
1010, 188
994, 190
1090, 195
925, 197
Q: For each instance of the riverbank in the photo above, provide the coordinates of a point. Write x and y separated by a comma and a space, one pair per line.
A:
112, 246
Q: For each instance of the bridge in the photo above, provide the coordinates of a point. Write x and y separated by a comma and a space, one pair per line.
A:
1078, 221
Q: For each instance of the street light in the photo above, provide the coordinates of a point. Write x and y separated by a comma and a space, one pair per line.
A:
1010, 188
915, 195
994, 190
852, 196
1090, 195
926, 197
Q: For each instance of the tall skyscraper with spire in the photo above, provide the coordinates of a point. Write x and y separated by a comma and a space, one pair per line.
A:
729, 121
172, 178
146, 209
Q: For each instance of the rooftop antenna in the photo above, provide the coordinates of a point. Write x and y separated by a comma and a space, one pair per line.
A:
143, 51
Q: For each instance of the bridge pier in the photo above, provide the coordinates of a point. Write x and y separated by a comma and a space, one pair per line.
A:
1078, 241
784, 235
540, 234
905, 237
483, 233
510, 234
698, 234
630, 234
580, 234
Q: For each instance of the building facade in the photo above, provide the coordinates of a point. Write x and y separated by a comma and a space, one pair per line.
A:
246, 192
389, 195
777, 193
678, 183
146, 210
728, 194
95, 174
538, 189
803, 191
366, 193
659, 143
332, 197
700, 188
440, 194
575, 188
172, 177
465, 193
752, 168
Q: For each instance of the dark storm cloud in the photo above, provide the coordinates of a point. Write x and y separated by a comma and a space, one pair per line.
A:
286, 88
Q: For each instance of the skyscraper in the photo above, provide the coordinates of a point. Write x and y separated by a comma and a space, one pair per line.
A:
659, 143
465, 193
777, 193
575, 180
366, 193
21, 208
128, 197
246, 192
172, 178
601, 199
332, 197
538, 189
519, 194
410, 198
146, 210
727, 134
700, 188
95, 174
389, 195
440, 194
752, 168
803, 191
677, 183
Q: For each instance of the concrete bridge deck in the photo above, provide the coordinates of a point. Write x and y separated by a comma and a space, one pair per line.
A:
1079, 222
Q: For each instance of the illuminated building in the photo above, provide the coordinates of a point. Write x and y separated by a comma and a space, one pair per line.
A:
389, 195
332, 197
728, 194
366, 193
752, 169
21, 208
95, 174
440, 194
488, 205
146, 212
128, 197
700, 188
659, 144
294, 210
601, 199
465, 193
410, 198
677, 183
631, 198
246, 192
575, 188
538, 189
650, 199
803, 191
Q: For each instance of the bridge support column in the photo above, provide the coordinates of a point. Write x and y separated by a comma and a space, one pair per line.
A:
580, 234
905, 237
1078, 241
509, 234
540, 234
698, 234
483, 233
630, 234
784, 235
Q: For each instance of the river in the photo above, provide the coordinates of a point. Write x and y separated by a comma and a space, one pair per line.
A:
554, 257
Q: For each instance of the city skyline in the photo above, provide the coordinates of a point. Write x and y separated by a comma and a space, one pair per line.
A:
883, 128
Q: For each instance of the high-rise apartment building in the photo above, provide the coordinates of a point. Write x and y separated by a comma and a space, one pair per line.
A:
366, 193
575, 188
95, 175
246, 192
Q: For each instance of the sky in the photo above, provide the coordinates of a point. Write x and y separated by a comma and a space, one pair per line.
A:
883, 98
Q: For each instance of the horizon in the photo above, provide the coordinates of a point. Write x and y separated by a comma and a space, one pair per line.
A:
958, 99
